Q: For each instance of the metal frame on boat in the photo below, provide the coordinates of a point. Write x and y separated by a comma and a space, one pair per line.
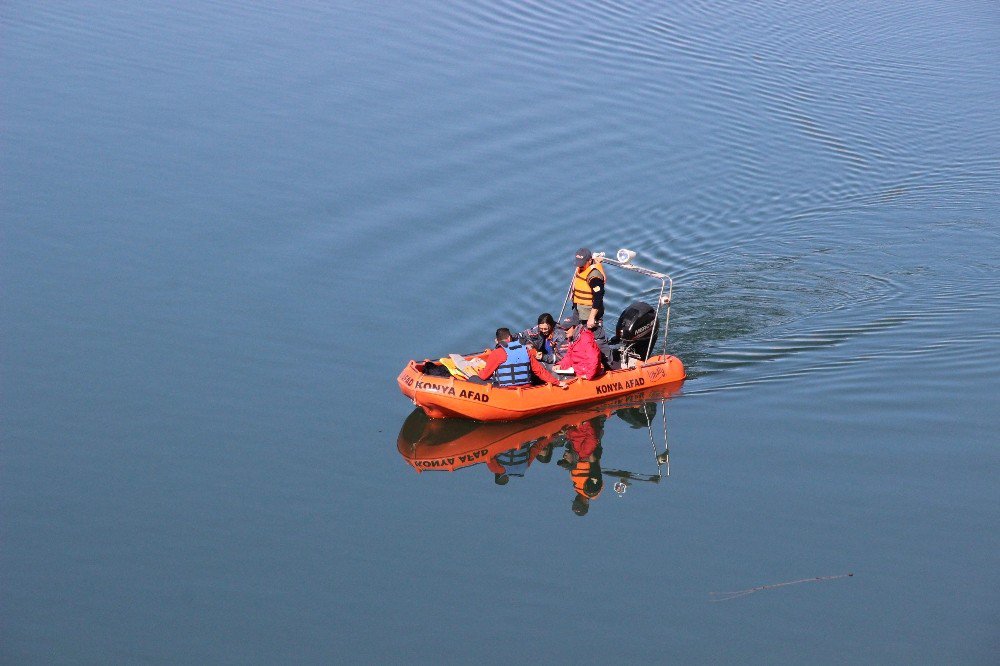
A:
623, 259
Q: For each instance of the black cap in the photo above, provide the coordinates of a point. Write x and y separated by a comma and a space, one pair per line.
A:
501, 479
580, 505
572, 320
583, 255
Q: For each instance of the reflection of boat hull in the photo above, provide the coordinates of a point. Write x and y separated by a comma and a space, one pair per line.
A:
442, 397
429, 444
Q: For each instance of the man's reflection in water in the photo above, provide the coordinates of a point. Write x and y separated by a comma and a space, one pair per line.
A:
583, 460
515, 462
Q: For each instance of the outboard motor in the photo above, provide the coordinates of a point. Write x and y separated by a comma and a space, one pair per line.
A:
638, 417
636, 331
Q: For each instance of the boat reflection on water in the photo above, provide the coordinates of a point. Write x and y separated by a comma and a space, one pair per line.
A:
574, 439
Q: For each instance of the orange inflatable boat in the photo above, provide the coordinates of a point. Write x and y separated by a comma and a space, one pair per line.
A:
639, 369
442, 397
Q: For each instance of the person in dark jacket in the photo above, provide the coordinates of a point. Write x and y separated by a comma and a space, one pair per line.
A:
510, 364
545, 339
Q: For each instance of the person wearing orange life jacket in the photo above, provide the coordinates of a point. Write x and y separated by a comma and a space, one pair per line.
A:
589, 281
510, 364
583, 459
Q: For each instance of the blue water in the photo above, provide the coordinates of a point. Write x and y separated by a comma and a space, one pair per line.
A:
226, 228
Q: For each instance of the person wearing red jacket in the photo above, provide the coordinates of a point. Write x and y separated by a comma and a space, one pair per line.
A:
509, 364
582, 355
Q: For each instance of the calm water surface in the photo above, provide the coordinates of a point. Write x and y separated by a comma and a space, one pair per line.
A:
227, 227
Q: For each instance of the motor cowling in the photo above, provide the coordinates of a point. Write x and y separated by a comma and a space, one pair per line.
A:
637, 329
638, 417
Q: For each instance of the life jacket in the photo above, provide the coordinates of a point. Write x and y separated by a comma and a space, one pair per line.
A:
582, 294
581, 472
516, 370
516, 461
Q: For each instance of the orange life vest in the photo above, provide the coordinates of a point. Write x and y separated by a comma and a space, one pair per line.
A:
580, 473
582, 295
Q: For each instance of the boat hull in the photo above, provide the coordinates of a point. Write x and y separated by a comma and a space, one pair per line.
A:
451, 397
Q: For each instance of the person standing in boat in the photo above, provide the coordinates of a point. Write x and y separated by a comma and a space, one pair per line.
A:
510, 364
589, 281
544, 339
